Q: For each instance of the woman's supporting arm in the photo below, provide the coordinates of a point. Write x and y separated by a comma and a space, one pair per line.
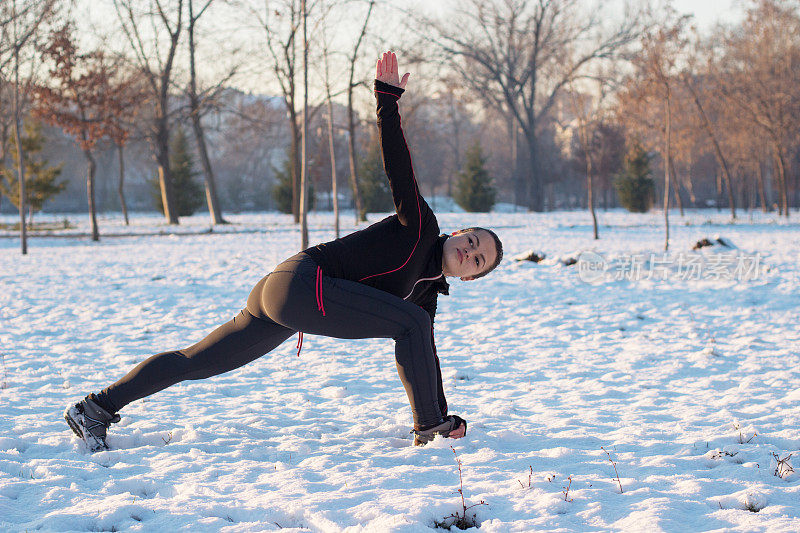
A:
429, 305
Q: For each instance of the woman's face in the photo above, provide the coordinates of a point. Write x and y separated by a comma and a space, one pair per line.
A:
468, 254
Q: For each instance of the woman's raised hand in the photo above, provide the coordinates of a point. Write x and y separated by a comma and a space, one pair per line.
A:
387, 72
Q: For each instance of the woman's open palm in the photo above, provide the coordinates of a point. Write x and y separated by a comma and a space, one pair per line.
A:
387, 72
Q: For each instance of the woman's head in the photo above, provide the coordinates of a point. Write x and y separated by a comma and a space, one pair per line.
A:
471, 253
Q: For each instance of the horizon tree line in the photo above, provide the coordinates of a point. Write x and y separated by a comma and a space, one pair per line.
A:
559, 81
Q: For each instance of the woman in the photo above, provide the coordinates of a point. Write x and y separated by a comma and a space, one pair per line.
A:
382, 281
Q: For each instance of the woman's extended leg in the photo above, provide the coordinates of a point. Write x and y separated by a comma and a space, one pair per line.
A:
235, 343
298, 296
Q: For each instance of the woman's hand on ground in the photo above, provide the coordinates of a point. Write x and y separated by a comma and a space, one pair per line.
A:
387, 72
458, 432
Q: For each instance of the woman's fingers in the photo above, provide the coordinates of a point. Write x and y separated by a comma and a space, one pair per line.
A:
386, 70
457, 433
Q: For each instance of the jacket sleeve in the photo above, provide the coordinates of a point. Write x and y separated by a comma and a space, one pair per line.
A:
429, 305
408, 202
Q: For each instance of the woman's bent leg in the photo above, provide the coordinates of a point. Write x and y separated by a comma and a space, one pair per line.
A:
296, 295
235, 343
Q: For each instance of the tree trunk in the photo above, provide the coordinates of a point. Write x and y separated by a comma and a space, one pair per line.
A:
776, 179
675, 187
351, 152
743, 188
351, 124
90, 172
515, 177
589, 187
294, 164
761, 189
120, 188
723, 163
690, 186
667, 163
23, 233
456, 146
782, 181
537, 183
164, 172
23, 193
534, 185
304, 161
167, 190
211, 188
3, 144
331, 146
162, 127
796, 184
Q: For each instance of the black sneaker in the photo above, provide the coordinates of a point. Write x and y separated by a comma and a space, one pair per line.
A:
450, 424
89, 421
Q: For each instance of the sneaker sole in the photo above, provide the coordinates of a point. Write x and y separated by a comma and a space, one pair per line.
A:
77, 428
73, 426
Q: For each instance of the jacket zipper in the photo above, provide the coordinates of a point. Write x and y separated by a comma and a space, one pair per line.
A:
421, 279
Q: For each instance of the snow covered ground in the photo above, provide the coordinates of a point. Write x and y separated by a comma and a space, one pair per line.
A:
688, 379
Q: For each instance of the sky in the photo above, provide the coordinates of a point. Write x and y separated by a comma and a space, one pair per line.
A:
95, 18
708, 12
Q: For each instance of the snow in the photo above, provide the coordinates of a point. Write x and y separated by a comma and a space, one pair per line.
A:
690, 383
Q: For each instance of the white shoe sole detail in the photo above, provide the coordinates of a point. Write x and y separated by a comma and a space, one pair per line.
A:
77, 423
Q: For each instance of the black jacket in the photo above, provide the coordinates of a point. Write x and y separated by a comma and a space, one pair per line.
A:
401, 254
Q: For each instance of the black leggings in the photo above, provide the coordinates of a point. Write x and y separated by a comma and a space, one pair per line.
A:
290, 299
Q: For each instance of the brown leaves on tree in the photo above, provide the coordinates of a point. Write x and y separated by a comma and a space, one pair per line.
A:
90, 95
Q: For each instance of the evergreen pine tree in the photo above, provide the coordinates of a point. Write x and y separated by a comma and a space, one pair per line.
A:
634, 185
40, 178
474, 191
189, 193
376, 196
282, 190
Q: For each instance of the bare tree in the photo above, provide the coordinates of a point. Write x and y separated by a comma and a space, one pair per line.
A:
519, 55
281, 22
125, 95
304, 145
760, 61
456, 121
588, 110
331, 146
156, 60
253, 134
689, 84
654, 81
352, 83
20, 28
199, 102
78, 100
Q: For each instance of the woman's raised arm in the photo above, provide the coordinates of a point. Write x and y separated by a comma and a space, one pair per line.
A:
410, 206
